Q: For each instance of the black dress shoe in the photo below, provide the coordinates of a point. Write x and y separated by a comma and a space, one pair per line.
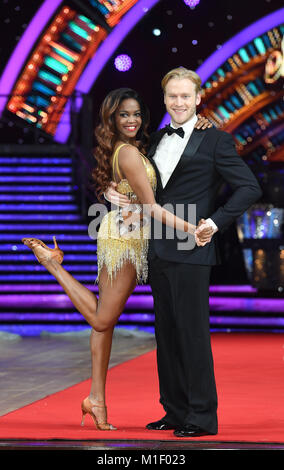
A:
161, 425
190, 430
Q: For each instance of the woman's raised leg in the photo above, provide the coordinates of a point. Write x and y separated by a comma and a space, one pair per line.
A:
103, 313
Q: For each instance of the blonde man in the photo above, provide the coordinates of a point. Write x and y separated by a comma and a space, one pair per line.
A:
191, 164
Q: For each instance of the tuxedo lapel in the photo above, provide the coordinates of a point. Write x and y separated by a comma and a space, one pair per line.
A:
190, 150
151, 152
155, 140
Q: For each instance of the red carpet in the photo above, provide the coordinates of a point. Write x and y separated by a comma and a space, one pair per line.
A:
250, 380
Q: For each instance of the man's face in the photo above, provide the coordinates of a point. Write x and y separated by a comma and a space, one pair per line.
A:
181, 100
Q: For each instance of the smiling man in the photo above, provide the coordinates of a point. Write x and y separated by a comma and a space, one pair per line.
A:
191, 165
181, 96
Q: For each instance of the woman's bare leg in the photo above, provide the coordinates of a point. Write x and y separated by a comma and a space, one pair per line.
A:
84, 300
113, 295
100, 345
101, 342
104, 313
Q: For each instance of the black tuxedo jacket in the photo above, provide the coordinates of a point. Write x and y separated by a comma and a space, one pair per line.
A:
209, 159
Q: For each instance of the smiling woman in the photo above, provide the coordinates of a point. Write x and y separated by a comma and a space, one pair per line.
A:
112, 113
128, 119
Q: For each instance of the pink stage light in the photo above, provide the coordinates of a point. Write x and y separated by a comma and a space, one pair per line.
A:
191, 3
123, 63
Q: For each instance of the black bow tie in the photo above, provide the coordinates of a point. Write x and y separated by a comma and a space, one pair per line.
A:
171, 130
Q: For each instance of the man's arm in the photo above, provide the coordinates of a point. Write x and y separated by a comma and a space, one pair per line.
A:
238, 175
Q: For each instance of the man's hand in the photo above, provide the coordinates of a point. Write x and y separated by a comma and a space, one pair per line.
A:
203, 233
202, 122
115, 197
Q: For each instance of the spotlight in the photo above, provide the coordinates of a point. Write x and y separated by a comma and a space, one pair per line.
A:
156, 32
191, 3
123, 63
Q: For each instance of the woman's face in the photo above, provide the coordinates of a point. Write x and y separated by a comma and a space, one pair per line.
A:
128, 119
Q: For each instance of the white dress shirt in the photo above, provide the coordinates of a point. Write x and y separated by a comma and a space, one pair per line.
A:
171, 148
169, 151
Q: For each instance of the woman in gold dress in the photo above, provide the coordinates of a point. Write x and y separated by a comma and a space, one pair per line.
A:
122, 240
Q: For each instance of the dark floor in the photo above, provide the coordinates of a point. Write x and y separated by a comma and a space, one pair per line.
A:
104, 445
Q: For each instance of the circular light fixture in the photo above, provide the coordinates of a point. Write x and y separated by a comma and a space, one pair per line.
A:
191, 3
123, 63
156, 32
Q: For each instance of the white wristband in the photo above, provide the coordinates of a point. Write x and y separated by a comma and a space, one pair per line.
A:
210, 222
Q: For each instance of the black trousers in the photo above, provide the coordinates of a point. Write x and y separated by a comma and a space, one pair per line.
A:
184, 356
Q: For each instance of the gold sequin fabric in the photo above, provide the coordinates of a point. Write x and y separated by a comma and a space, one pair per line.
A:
120, 239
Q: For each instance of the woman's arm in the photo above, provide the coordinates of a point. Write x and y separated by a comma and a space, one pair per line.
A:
133, 169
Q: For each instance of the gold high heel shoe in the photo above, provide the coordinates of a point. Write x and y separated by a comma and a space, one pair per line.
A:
42, 252
87, 408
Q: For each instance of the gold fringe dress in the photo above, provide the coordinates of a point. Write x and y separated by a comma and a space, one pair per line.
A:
120, 239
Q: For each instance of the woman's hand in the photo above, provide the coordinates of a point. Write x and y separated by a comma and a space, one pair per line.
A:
202, 122
114, 197
203, 236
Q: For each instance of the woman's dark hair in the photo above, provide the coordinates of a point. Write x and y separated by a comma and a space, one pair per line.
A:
106, 135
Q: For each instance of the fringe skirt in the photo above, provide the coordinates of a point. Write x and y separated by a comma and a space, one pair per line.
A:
118, 243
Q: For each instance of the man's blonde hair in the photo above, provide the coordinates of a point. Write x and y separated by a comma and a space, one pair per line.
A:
182, 72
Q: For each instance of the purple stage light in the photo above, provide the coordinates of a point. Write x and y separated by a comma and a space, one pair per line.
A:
39, 277
60, 236
145, 288
246, 321
123, 63
35, 188
40, 217
191, 3
259, 306
39, 227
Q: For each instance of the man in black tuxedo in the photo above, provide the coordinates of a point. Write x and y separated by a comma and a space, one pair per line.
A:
191, 165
